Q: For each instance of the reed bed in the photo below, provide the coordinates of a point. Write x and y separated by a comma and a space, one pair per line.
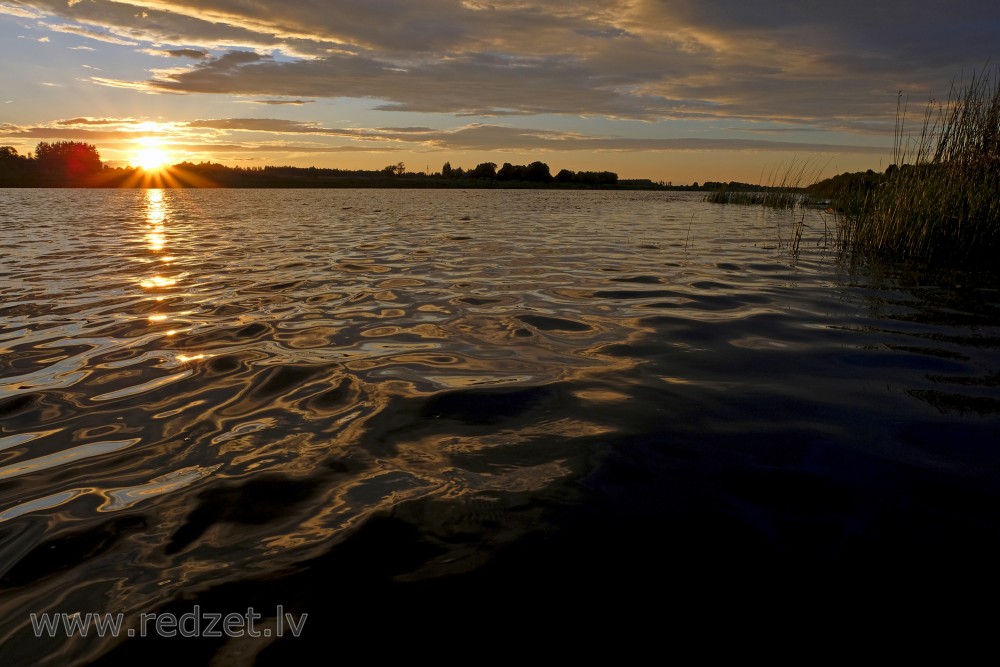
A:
771, 198
784, 189
943, 204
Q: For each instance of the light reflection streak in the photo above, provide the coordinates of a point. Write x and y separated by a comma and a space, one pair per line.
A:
64, 457
156, 216
158, 281
118, 498
127, 496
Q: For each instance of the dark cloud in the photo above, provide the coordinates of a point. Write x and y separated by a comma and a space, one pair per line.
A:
606, 33
195, 54
68, 134
480, 84
803, 63
280, 102
93, 121
275, 125
484, 137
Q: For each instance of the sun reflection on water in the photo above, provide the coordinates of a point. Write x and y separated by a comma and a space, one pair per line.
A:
158, 281
156, 216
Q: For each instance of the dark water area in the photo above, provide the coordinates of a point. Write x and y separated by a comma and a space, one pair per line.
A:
451, 418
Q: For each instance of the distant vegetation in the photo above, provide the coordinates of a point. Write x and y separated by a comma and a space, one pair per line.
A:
784, 191
774, 197
74, 164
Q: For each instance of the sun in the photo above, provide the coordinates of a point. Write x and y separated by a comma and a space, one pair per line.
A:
151, 158
149, 153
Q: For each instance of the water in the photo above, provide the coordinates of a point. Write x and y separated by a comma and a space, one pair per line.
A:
418, 410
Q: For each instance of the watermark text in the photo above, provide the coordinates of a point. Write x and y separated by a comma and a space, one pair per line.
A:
195, 623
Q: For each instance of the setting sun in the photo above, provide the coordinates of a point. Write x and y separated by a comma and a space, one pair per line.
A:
150, 158
150, 154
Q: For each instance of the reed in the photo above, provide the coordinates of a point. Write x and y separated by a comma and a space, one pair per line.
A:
943, 204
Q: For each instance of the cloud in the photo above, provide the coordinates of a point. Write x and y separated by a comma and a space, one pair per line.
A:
278, 102
196, 54
89, 33
85, 121
477, 84
20, 12
498, 137
483, 137
139, 86
797, 63
638, 59
224, 134
250, 147
276, 125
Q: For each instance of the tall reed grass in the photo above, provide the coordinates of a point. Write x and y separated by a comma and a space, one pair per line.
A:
943, 203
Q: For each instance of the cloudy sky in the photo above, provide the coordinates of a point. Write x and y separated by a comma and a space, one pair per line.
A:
674, 90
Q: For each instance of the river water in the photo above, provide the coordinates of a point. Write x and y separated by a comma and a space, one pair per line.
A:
418, 410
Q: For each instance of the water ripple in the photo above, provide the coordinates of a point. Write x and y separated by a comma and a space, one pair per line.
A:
201, 389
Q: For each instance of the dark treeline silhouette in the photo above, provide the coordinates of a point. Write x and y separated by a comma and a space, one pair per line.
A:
76, 164
849, 183
736, 186
63, 162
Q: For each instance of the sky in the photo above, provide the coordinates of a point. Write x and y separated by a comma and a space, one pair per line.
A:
672, 90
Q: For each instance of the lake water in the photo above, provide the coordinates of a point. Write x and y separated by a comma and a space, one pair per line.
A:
417, 410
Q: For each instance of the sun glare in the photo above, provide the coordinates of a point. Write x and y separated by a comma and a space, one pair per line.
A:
150, 155
150, 158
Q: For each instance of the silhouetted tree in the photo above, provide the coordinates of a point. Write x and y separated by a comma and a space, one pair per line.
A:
509, 172
15, 169
564, 176
447, 171
8, 155
397, 169
537, 172
10, 159
67, 159
484, 170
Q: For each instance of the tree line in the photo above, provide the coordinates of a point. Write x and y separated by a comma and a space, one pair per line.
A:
77, 164
536, 172
62, 162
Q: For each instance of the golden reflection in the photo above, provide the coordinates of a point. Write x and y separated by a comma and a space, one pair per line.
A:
158, 281
156, 216
124, 497
156, 240
155, 208
601, 395
184, 358
675, 380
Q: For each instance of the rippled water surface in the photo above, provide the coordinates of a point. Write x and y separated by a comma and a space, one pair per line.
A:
418, 409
